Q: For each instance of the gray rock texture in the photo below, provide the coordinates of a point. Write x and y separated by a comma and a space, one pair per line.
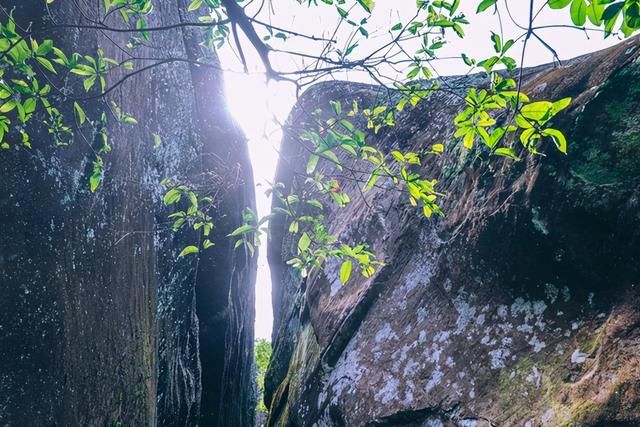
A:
520, 307
100, 322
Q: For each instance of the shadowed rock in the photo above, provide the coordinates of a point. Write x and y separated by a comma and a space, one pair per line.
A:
100, 321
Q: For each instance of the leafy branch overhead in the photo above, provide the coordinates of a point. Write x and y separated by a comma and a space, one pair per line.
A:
498, 118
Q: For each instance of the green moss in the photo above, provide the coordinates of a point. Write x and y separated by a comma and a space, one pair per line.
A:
606, 141
588, 340
583, 411
304, 357
517, 395
588, 412
594, 169
521, 398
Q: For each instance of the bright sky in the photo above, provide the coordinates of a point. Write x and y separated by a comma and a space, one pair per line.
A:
259, 107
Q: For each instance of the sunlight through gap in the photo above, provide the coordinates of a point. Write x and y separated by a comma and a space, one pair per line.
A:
258, 107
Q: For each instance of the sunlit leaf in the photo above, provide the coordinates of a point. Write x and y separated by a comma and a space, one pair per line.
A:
345, 271
189, 250
506, 152
304, 242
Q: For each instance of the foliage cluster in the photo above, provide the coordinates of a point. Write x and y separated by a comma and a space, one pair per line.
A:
262, 354
499, 119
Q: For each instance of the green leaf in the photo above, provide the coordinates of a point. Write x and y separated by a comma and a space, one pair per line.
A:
507, 45
413, 73
336, 106
397, 27
526, 136
207, 244
89, 82
437, 148
83, 70
497, 43
372, 180
304, 242
250, 247
561, 105
46, 64
193, 199
558, 4
485, 4
157, 140
8, 106
595, 11
398, 156
330, 155
312, 163
506, 152
468, 140
241, 230
195, 5
345, 271
189, 250
79, 113
558, 138
537, 111
468, 61
178, 224
579, 12
29, 105
172, 196
612, 11
523, 122
94, 182
367, 5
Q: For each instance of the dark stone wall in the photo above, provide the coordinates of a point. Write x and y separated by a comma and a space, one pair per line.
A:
99, 320
517, 308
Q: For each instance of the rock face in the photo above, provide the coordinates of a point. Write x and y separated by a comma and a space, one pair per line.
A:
520, 307
100, 321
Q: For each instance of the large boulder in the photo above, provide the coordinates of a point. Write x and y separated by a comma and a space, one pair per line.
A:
520, 307
100, 321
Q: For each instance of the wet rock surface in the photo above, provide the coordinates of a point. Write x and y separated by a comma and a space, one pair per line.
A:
520, 307
100, 322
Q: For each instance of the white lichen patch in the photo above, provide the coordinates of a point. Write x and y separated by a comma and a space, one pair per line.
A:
498, 358
419, 273
421, 315
436, 378
466, 312
536, 344
534, 377
388, 392
344, 376
385, 334
578, 357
